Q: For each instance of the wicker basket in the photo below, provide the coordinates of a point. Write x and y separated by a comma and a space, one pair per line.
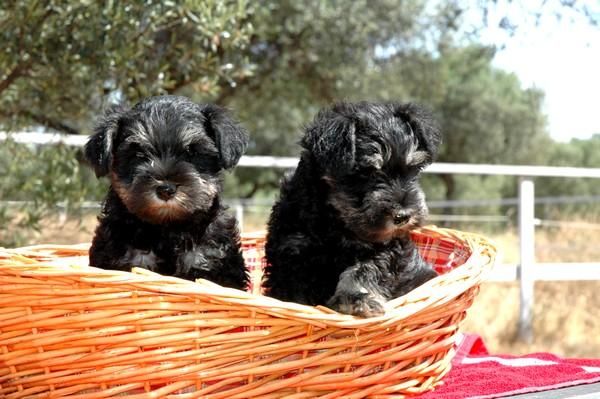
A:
69, 330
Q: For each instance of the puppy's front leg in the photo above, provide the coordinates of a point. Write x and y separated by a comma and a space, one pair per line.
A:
359, 292
134, 257
200, 262
113, 248
222, 264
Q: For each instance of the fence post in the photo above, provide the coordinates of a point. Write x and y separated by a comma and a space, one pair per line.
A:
527, 255
239, 215
62, 212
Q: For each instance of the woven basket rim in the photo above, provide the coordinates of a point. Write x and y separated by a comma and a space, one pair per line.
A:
435, 292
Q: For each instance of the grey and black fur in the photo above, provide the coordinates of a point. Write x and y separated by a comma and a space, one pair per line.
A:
164, 158
339, 234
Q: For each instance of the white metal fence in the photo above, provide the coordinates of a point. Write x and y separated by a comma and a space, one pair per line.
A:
526, 272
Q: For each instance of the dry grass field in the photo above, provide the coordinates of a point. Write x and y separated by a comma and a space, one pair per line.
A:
566, 318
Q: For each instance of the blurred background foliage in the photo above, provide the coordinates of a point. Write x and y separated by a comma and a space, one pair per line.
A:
274, 63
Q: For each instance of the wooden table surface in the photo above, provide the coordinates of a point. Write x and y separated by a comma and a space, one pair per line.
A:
585, 391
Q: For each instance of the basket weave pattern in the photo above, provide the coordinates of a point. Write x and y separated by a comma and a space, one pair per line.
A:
69, 330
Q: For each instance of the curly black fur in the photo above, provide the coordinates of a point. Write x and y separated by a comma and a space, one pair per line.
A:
165, 158
338, 236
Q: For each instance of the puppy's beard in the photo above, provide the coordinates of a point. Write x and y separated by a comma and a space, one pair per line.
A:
144, 203
161, 212
372, 226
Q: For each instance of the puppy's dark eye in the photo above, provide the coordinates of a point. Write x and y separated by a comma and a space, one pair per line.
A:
137, 152
131, 152
191, 154
202, 162
414, 171
366, 173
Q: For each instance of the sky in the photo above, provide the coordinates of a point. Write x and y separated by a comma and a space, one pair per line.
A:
561, 57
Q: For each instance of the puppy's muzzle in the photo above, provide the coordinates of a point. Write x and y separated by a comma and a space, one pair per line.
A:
166, 191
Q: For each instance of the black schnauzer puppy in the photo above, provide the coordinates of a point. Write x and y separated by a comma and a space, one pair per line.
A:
164, 158
339, 235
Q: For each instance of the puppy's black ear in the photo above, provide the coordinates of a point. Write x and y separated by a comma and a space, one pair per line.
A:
331, 139
98, 149
423, 126
230, 138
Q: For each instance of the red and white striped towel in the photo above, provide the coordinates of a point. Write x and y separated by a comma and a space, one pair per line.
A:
476, 374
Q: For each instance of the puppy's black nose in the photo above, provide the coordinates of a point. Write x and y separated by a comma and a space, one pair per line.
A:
401, 218
166, 191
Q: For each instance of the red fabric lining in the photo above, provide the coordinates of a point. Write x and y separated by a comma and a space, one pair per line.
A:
443, 253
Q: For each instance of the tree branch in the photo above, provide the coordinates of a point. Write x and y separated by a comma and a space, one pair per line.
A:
49, 122
259, 186
19, 70
23, 67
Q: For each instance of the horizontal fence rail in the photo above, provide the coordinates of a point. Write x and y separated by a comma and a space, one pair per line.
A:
291, 162
548, 271
526, 272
